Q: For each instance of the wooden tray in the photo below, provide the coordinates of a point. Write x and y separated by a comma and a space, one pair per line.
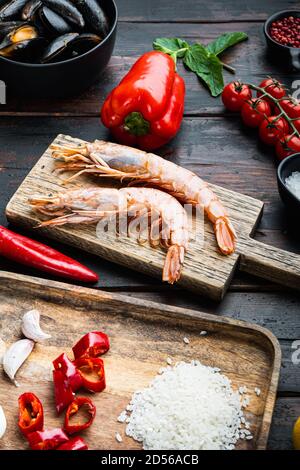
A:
143, 334
205, 270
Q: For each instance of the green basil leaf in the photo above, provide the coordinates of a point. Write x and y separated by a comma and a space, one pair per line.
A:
226, 40
196, 59
207, 66
171, 46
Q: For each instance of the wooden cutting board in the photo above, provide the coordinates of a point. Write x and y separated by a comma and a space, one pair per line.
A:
143, 335
205, 270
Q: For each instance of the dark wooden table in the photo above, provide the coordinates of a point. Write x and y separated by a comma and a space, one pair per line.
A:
212, 143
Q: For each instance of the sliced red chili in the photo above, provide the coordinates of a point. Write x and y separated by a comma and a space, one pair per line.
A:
78, 405
66, 366
92, 373
92, 344
62, 391
47, 440
31, 413
76, 443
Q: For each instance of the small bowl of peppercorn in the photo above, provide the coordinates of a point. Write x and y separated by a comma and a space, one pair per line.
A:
282, 32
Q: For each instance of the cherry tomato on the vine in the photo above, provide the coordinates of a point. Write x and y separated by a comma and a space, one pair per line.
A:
274, 88
235, 94
291, 107
272, 128
297, 124
287, 145
254, 111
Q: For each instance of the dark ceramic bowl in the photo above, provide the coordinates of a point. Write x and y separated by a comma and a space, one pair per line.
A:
285, 169
61, 79
287, 56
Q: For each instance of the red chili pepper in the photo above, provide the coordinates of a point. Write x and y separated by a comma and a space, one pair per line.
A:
146, 108
92, 373
66, 366
92, 344
76, 443
62, 391
83, 404
31, 413
47, 440
28, 252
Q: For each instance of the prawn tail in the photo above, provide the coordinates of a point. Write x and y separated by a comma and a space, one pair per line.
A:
173, 264
226, 236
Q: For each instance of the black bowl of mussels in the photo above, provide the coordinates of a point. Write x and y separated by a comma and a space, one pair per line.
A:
55, 48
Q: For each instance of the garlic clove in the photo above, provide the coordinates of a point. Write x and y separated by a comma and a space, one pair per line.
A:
2, 350
14, 357
3, 423
31, 327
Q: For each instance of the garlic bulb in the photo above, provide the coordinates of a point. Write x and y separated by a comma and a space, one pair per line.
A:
31, 327
14, 357
2, 422
2, 350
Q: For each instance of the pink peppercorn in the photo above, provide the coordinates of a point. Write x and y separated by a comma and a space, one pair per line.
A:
286, 31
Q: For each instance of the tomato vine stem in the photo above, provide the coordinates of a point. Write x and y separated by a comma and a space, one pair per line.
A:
277, 103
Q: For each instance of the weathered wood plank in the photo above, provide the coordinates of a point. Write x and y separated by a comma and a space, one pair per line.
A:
205, 269
249, 59
246, 353
287, 410
278, 312
238, 162
112, 276
200, 10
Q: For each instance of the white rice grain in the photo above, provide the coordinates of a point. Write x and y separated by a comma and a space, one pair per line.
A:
188, 407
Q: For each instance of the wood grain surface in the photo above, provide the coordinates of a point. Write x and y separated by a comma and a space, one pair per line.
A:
205, 270
249, 355
212, 142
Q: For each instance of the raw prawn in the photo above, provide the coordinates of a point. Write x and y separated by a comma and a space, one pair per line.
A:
121, 162
168, 228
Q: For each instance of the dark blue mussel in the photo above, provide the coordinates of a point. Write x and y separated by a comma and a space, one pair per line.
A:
48, 31
23, 44
30, 9
68, 46
8, 26
67, 10
11, 8
58, 49
84, 42
55, 24
94, 16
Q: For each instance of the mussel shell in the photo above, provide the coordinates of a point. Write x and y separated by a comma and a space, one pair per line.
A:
25, 51
58, 49
11, 9
67, 10
20, 34
30, 8
84, 42
54, 23
94, 16
7, 26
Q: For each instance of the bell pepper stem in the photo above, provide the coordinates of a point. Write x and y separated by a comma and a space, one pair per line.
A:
135, 124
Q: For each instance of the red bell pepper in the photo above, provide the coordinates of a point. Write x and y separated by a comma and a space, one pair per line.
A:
76, 443
28, 252
92, 344
66, 366
92, 373
63, 392
47, 440
85, 404
145, 110
31, 414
